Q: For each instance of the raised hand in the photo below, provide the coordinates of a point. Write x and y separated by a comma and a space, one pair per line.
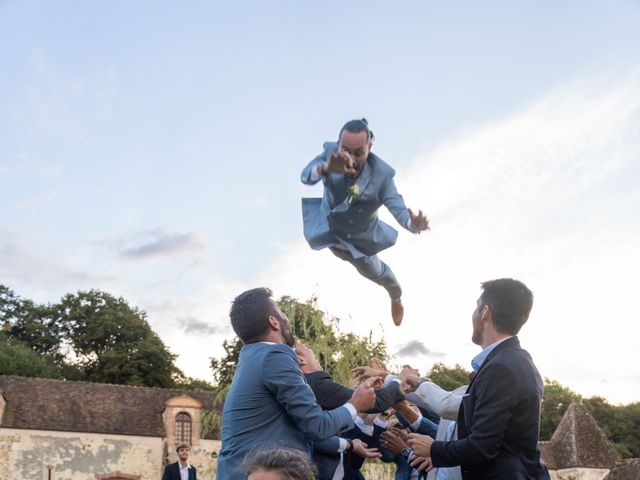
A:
419, 221
340, 162
360, 448
420, 444
364, 397
362, 373
410, 378
378, 364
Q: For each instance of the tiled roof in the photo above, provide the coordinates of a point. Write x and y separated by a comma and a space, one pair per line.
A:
625, 470
579, 442
46, 404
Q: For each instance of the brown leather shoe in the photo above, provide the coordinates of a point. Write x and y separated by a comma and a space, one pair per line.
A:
397, 312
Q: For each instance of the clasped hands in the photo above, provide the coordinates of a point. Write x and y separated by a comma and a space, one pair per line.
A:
409, 377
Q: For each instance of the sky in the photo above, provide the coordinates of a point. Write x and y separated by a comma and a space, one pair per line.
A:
153, 150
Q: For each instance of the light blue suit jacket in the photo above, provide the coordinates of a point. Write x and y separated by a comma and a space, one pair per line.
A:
269, 405
335, 219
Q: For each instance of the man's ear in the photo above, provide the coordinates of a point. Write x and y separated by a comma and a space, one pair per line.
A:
486, 313
274, 323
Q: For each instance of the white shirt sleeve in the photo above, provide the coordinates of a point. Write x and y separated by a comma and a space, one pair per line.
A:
415, 425
343, 445
435, 398
352, 410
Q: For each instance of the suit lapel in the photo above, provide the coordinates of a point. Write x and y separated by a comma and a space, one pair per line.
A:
361, 184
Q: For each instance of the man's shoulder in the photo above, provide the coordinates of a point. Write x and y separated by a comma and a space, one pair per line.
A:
330, 147
380, 167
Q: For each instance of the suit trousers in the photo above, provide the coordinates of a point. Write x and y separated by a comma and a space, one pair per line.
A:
374, 269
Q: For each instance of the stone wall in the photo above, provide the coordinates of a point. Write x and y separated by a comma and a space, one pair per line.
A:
29, 454
579, 473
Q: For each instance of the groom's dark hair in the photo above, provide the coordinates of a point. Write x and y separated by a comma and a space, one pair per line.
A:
510, 302
249, 313
357, 126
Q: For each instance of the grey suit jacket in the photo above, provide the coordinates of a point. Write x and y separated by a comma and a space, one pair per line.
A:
269, 404
337, 220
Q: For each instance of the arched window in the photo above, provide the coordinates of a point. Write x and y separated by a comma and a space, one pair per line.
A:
183, 428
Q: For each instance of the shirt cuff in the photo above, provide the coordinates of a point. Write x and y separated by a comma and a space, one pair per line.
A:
314, 176
410, 228
390, 378
352, 410
415, 425
380, 422
343, 445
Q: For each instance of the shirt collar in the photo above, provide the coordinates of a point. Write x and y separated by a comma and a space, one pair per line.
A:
479, 359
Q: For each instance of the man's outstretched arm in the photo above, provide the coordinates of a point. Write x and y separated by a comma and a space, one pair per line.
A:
282, 376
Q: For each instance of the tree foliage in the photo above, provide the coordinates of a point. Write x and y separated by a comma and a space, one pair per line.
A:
448, 378
90, 336
17, 358
338, 353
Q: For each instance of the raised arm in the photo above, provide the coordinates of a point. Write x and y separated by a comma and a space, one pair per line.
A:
443, 403
282, 376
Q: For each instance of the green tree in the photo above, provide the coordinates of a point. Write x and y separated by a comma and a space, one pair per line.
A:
555, 402
448, 378
113, 342
31, 324
338, 353
18, 359
90, 336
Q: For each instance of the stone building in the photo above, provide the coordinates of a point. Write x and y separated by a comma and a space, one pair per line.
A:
60, 430
580, 450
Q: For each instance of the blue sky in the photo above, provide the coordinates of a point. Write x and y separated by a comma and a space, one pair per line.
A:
153, 150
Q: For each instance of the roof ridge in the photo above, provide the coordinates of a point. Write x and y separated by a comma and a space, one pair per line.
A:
142, 387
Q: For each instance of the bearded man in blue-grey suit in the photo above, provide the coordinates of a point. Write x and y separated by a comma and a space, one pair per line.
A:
345, 220
269, 404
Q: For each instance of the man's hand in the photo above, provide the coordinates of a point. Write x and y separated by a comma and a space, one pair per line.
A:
410, 378
360, 448
419, 221
364, 397
420, 444
392, 441
339, 162
365, 372
422, 464
379, 365
406, 410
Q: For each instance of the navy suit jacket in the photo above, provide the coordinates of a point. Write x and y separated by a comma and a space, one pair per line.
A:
331, 394
269, 405
337, 220
499, 420
172, 472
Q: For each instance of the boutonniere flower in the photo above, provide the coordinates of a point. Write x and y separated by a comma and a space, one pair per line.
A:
353, 192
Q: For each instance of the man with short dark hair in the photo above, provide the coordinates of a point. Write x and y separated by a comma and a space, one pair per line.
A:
499, 418
269, 404
345, 220
181, 470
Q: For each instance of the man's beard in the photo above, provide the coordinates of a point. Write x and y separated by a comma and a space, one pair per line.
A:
285, 331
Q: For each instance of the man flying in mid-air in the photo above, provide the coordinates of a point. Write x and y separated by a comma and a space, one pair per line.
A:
356, 184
